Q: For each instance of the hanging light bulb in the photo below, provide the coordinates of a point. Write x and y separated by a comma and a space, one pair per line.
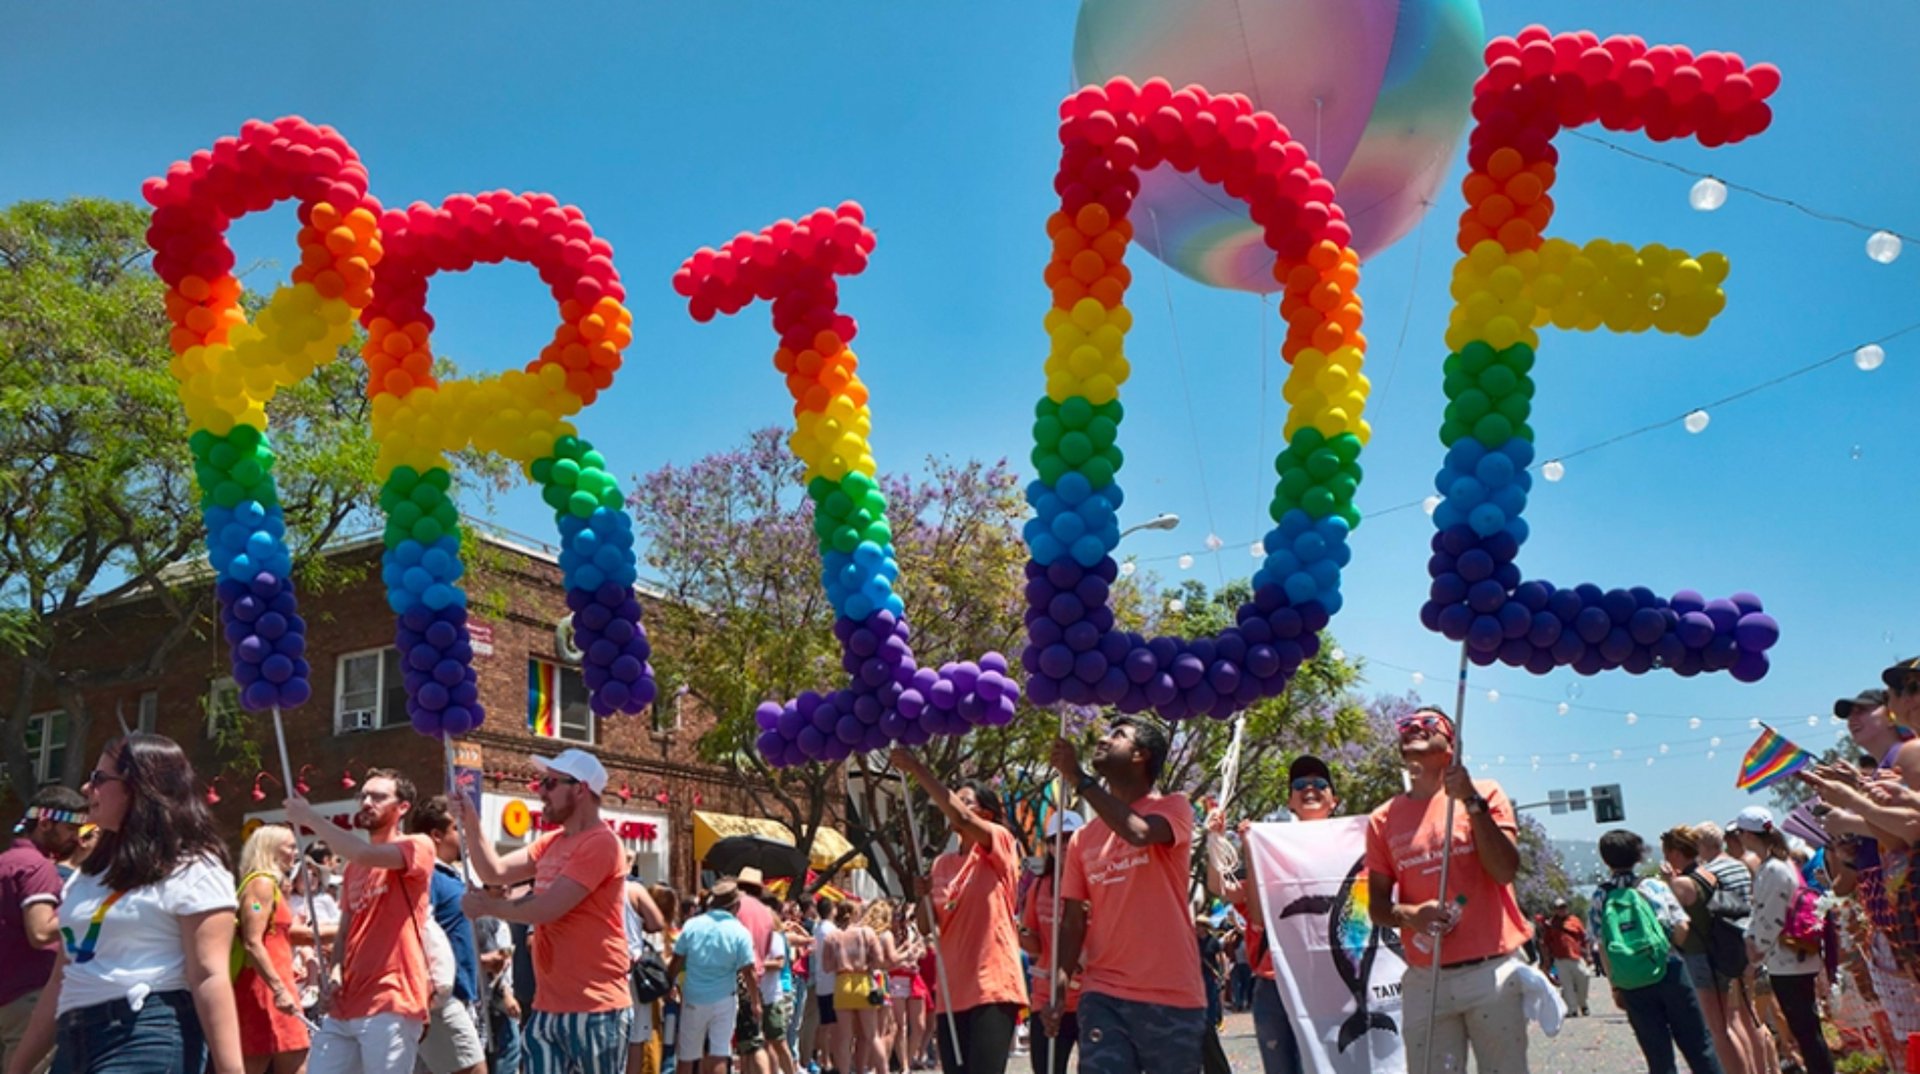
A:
1707, 194
1214, 543
1696, 421
1753, 724
1709, 755
1714, 741
1813, 721
1562, 708
1591, 766
1553, 470
1338, 654
1176, 605
1632, 718
1493, 695
1186, 562
1258, 549
1868, 357
1430, 504
1693, 724
1649, 762
1616, 753
1419, 677
1574, 758
1884, 247
1502, 759
1127, 569
1663, 747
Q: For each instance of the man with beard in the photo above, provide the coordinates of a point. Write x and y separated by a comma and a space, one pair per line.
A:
1480, 985
582, 1004
1143, 1007
377, 1012
29, 905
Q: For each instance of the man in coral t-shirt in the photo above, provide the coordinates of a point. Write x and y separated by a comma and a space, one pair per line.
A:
582, 1006
376, 1017
1143, 1007
1478, 929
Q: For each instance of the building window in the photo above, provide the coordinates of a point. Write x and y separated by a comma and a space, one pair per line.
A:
223, 709
369, 692
149, 712
47, 745
557, 702
669, 713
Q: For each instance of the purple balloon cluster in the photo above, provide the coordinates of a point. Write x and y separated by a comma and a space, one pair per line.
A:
1477, 597
1075, 655
613, 648
888, 698
443, 695
269, 641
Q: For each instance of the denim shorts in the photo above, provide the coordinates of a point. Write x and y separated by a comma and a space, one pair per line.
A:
162, 1037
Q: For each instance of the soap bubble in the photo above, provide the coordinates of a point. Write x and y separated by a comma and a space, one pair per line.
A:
1575, 690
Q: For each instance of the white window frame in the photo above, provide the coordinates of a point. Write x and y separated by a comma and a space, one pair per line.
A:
383, 720
676, 707
214, 710
41, 774
148, 720
559, 735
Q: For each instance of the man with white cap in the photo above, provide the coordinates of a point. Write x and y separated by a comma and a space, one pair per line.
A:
582, 1006
1051, 1055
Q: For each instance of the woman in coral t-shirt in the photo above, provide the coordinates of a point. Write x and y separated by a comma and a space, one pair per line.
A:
973, 895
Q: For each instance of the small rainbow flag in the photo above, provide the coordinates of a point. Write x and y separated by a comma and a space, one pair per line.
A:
1769, 760
543, 688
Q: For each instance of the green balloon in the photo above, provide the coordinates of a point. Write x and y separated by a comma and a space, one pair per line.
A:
1515, 408
1047, 431
1472, 404
427, 531
567, 446
201, 442
1347, 446
426, 495
1076, 448
566, 472
228, 493
223, 456
556, 495
1323, 464
580, 504
1098, 471
1112, 411
1045, 407
542, 470
1306, 440
1103, 431
880, 533
1453, 366
1518, 358
1476, 356
446, 514
838, 503
820, 488
1295, 483
1285, 461
1493, 430
1050, 467
1499, 381
823, 525
846, 539
1076, 412
404, 478
440, 478
593, 460
1452, 430
1343, 487
1318, 502
610, 497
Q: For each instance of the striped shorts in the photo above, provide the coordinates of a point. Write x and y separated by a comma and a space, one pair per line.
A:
592, 1043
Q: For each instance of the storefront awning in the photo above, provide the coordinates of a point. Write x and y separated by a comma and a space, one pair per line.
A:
710, 828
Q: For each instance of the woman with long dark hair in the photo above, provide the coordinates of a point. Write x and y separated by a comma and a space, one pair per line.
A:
148, 921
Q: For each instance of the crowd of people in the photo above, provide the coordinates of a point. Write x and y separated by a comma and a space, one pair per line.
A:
132, 939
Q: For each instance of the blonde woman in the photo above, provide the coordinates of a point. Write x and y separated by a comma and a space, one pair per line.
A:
273, 1036
906, 991
854, 953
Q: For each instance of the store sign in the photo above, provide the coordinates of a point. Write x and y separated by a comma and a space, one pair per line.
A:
480, 637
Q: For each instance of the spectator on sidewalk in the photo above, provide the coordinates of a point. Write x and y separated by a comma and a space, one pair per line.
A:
1641, 930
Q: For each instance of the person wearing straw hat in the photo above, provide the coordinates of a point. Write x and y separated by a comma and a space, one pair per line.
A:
1050, 1054
1476, 996
1143, 1005
974, 892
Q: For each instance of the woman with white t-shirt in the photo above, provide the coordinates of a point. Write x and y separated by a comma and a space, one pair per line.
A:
1794, 972
142, 986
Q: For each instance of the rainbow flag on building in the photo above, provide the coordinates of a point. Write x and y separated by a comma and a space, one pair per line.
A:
543, 689
1769, 760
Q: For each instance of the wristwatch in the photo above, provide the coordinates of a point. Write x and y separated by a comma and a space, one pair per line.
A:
1476, 804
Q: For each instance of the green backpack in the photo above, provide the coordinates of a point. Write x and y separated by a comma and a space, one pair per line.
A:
237, 956
1634, 939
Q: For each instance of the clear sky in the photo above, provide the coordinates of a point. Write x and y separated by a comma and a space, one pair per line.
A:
676, 125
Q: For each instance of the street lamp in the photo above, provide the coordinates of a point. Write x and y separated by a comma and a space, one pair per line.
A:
1165, 521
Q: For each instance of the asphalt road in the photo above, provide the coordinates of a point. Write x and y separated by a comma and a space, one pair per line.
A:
1602, 1042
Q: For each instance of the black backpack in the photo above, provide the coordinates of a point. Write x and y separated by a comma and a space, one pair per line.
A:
650, 975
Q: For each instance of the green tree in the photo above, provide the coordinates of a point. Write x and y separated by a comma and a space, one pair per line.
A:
97, 496
1787, 794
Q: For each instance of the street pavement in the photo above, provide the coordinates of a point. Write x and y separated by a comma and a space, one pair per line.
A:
1600, 1044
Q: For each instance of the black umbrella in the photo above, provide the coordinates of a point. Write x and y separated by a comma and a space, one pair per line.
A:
774, 859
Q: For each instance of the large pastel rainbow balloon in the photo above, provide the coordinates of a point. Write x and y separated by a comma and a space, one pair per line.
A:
1377, 90
1513, 280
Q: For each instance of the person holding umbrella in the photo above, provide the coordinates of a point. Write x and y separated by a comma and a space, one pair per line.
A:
974, 892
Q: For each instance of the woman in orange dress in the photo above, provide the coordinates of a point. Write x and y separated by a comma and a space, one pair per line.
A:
273, 1035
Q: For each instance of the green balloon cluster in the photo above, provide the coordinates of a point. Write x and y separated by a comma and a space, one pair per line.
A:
418, 506
234, 468
1077, 436
849, 511
1319, 475
574, 479
1489, 394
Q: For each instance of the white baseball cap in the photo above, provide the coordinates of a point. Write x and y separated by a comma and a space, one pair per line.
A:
1067, 819
1753, 819
577, 764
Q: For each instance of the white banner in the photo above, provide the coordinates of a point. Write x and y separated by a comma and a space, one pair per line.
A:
1339, 976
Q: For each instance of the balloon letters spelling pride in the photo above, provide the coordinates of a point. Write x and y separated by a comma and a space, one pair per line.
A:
229, 369
520, 414
1513, 280
1109, 135
888, 697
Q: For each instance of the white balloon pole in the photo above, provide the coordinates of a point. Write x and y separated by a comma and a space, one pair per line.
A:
305, 863
1446, 860
933, 919
1059, 865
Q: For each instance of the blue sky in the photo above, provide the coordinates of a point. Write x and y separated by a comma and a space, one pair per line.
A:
676, 125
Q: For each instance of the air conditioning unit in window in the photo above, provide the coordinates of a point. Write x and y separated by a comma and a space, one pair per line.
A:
359, 720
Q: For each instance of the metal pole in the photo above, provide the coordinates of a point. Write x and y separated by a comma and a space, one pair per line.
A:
313, 892
453, 800
933, 919
1059, 864
1446, 859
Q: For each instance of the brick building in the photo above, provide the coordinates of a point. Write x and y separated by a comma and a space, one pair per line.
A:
530, 684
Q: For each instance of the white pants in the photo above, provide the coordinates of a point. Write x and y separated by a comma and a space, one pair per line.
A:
706, 1029
378, 1044
1573, 983
1481, 1006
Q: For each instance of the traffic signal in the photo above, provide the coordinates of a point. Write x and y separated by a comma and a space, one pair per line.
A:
1608, 806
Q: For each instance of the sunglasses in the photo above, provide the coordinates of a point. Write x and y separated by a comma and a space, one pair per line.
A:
1425, 723
548, 783
1311, 783
97, 777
